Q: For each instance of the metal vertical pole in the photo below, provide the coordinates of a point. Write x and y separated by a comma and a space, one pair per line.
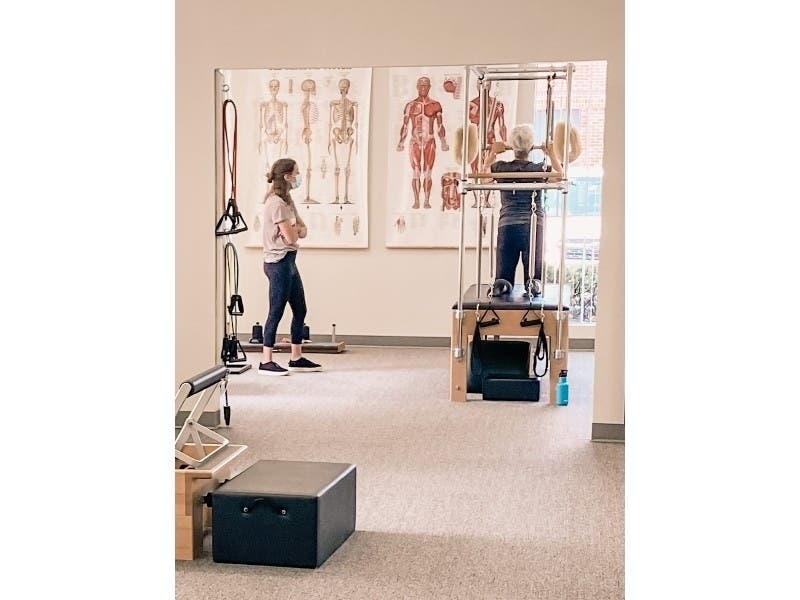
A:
482, 93
565, 161
532, 242
550, 117
583, 279
544, 246
548, 136
458, 351
559, 353
491, 246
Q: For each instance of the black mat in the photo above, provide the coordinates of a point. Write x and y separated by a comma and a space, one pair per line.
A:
516, 300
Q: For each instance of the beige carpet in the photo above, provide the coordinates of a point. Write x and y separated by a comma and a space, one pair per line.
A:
480, 500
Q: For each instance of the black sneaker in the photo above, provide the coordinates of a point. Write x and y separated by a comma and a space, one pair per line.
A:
271, 368
304, 365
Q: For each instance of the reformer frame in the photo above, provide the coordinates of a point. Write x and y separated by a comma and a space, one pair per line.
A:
203, 387
200, 467
555, 319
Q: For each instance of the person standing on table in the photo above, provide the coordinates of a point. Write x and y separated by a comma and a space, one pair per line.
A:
514, 225
282, 228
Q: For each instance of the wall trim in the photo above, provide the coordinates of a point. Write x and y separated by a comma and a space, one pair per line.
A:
608, 432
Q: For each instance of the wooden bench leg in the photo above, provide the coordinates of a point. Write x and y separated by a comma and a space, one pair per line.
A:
556, 365
458, 366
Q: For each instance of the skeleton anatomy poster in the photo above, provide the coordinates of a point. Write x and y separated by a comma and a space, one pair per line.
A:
320, 118
426, 108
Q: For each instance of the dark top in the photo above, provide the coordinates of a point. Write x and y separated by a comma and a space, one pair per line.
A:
515, 206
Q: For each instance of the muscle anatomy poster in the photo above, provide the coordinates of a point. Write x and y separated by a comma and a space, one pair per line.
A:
426, 107
320, 118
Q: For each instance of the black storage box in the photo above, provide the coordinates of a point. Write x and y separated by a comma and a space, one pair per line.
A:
499, 387
283, 513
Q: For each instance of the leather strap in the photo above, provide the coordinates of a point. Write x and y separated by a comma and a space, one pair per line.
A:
229, 154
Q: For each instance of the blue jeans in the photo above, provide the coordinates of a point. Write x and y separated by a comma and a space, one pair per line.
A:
285, 286
513, 244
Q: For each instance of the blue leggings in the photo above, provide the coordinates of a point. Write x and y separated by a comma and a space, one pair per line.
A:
285, 286
513, 244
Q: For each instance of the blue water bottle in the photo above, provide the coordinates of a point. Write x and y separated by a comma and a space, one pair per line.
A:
562, 389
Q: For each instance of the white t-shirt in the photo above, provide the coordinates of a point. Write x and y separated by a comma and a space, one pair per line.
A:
273, 212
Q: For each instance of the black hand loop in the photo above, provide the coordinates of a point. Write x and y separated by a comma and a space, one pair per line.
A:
233, 217
542, 353
483, 322
236, 307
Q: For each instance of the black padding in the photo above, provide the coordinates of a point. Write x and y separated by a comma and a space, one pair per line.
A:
498, 387
516, 300
207, 378
501, 358
284, 513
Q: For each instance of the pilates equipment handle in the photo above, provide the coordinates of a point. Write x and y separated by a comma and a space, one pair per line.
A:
206, 379
247, 509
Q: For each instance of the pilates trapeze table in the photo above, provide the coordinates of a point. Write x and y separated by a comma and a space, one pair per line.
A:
510, 310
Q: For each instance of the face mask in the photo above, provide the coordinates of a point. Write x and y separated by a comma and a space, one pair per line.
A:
298, 180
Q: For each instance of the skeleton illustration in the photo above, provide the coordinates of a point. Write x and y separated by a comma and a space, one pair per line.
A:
495, 128
337, 225
422, 114
323, 167
273, 121
400, 223
310, 114
342, 132
451, 199
356, 223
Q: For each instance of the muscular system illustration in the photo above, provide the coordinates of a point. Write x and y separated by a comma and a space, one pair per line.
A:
495, 127
273, 122
420, 116
310, 114
342, 136
450, 197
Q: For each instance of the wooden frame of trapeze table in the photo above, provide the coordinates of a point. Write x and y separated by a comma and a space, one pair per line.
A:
191, 485
463, 318
508, 326
200, 467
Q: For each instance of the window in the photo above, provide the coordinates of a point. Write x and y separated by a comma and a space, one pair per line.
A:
583, 199
582, 256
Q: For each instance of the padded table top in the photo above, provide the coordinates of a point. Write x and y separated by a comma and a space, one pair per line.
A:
516, 300
286, 478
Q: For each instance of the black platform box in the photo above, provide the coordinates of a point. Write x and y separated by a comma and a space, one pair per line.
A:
498, 387
283, 513
500, 358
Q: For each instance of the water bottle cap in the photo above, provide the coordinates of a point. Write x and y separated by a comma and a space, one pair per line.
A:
563, 373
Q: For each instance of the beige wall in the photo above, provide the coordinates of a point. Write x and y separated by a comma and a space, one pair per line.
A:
377, 291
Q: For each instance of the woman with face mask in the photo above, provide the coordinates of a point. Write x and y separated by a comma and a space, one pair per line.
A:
282, 228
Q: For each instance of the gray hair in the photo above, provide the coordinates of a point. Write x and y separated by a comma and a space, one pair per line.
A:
521, 139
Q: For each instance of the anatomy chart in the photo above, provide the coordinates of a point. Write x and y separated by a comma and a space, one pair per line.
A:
426, 107
320, 118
